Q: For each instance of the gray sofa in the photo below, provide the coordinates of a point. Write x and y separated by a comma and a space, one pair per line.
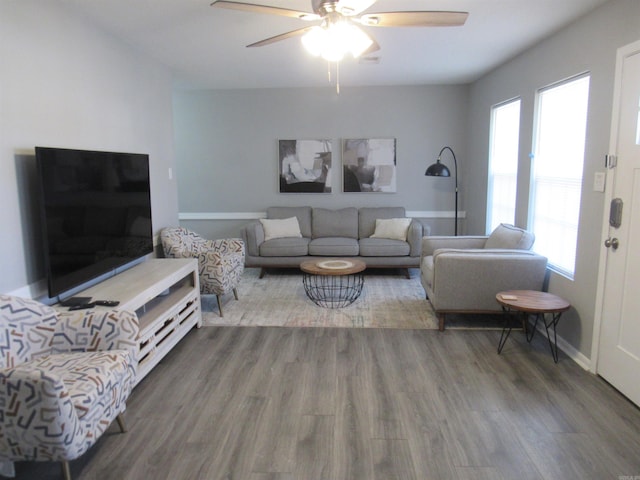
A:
333, 233
464, 274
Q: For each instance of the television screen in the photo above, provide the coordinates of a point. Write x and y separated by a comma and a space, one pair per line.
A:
96, 213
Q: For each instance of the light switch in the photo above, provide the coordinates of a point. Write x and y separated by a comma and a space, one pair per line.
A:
599, 180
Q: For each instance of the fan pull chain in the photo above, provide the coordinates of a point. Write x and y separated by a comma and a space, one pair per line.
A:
337, 75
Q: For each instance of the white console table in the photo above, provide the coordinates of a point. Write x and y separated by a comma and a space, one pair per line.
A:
165, 294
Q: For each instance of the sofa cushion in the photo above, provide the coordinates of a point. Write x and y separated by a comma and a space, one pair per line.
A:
280, 228
383, 247
367, 217
392, 228
508, 236
303, 214
334, 247
285, 247
335, 223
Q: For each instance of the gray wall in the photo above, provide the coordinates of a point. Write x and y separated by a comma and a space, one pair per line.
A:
589, 44
227, 146
63, 83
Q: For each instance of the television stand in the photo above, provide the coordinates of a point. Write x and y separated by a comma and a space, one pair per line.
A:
165, 294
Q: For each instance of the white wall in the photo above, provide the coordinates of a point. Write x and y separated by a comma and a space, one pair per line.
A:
589, 44
64, 83
227, 146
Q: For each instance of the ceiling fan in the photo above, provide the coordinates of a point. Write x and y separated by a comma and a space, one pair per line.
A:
339, 30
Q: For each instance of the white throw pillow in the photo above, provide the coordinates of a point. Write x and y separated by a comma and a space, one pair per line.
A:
279, 228
392, 228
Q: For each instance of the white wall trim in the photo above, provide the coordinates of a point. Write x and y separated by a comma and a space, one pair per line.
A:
221, 215
573, 353
257, 215
433, 214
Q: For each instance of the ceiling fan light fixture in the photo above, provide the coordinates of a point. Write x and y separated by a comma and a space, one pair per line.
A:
334, 41
357, 40
314, 40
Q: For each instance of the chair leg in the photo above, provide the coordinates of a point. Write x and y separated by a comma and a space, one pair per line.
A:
121, 423
441, 322
219, 305
66, 470
235, 293
262, 272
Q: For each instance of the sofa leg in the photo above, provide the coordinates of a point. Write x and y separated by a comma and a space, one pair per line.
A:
235, 293
407, 274
66, 470
263, 271
441, 322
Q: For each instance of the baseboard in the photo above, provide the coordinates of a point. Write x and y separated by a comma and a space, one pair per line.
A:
573, 353
33, 290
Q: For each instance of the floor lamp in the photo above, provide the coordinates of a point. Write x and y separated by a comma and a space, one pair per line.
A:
440, 170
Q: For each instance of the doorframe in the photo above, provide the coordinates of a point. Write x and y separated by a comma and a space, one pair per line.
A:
622, 53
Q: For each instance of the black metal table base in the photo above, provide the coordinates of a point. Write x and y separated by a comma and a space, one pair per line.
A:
548, 323
333, 291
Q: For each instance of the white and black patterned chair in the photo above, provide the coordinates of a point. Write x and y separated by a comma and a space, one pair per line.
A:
220, 262
64, 378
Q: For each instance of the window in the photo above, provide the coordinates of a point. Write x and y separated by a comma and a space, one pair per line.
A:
557, 171
503, 164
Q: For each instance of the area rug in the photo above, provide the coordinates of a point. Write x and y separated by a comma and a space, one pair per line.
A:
388, 300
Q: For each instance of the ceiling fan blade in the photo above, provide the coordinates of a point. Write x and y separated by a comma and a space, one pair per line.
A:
250, 7
413, 19
282, 36
373, 48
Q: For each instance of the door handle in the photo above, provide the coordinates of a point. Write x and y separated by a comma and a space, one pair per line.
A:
612, 242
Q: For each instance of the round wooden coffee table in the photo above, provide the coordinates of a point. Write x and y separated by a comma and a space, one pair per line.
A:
333, 282
531, 302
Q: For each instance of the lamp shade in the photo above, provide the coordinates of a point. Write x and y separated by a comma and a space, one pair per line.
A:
437, 170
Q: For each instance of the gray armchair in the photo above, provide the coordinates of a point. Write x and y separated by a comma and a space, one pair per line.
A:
464, 274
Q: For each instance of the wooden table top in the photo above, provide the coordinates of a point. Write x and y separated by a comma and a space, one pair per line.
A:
532, 301
333, 266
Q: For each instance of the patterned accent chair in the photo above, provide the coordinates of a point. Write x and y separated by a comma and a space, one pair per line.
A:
64, 378
220, 262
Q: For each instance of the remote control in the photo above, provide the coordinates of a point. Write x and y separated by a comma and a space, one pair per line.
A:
107, 303
82, 306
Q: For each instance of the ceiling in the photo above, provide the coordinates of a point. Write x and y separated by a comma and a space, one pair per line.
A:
205, 46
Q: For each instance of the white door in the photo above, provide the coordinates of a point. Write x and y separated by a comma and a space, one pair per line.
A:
618, 358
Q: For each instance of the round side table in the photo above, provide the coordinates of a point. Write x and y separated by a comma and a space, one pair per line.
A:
543, 305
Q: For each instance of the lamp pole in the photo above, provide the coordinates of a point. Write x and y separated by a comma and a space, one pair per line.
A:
440, 170
455, 164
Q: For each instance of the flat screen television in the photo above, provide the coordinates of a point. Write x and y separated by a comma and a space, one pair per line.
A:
96, 213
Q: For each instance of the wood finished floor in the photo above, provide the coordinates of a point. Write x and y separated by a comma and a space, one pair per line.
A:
308, 404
